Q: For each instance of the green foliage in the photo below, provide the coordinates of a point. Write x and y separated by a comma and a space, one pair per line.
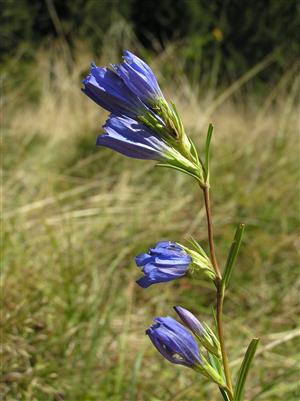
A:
229, 36
25, 23
206, 152
225, 38
233, 252
244, 370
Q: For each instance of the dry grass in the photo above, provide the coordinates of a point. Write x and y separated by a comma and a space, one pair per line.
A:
74, 217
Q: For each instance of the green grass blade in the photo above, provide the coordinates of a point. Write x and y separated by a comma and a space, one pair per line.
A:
235, 246
207, 146
243, 372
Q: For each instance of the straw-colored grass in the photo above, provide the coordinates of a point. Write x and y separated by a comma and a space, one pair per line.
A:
75, 216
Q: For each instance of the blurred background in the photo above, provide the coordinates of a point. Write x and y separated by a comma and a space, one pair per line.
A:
75, 216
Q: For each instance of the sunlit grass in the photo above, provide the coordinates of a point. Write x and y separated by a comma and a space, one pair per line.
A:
74, 217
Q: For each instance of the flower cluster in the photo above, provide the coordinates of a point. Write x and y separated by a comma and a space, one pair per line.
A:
142, 124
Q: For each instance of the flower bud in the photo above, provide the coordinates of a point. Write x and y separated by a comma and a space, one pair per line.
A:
201, 330
174, 342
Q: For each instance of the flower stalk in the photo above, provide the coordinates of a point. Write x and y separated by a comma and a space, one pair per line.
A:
220, 290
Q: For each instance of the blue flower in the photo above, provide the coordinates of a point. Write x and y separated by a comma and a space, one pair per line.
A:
141, 124
165, 262
139, 78
131, 138
174, 342
109, 91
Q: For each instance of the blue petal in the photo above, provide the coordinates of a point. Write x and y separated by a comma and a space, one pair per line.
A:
173, 340
148, 268
182, 338
171, 272
144, 282
172, 325
165, 262
162, 348
168, 244
142, 259
172, 260
108, 90
156, 275
132, 139
139, 78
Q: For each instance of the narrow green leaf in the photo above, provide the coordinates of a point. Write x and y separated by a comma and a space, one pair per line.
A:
224, 394
234, 249
207, 146
244, 369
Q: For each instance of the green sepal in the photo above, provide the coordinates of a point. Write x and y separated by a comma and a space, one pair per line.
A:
177, 118
216, 363
206, 152
234, 249
212, 344
244, 369
177, 168
200, 261
194, 152
209, 371
198, 247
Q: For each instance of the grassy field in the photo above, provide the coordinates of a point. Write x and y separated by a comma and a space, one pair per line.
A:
75, 216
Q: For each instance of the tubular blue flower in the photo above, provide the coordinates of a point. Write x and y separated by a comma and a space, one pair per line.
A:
178, 346
141, 124
139, 78
165, 262
109, 91
133, 139
174, 342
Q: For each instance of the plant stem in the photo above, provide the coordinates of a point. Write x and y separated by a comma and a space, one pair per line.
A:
220, 291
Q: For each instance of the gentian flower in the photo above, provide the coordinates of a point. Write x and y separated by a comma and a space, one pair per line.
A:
142, 124
139, 78
131, 138
178, 346
165, 262
201, 330
174, 342
106, 88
